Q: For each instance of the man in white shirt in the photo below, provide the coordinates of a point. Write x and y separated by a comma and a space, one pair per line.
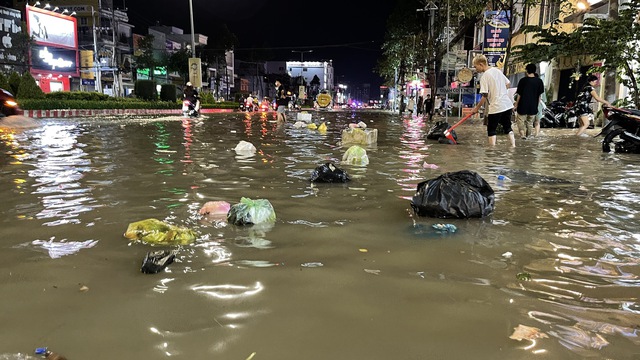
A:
494, 88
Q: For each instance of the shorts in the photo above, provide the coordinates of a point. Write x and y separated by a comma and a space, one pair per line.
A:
281, 109
503, 118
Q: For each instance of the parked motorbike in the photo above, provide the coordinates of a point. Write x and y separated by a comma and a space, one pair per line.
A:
622, 133
190, 108
559, 114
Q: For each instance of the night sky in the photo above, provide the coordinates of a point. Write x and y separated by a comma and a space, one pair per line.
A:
349, 32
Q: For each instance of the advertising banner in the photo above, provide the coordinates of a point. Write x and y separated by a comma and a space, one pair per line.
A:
87, 68
51, 28
54, 59
496, 35
11, 25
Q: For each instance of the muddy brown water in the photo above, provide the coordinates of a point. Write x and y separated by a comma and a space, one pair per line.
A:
346, 272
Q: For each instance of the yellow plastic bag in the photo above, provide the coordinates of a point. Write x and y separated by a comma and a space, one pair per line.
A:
154, 231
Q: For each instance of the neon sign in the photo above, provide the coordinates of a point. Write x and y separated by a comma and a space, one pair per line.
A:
48, 59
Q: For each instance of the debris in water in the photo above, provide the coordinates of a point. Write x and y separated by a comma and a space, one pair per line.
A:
523, 332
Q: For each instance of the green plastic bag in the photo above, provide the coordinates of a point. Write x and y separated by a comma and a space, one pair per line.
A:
355, 155
251, 212
154, 231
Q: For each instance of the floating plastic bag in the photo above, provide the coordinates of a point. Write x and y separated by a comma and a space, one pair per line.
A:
215, 208
322, 127
304, 116
355, 155
359, 136
156, 261
245, 146
462, 194
329, 173
154, 231
251, 212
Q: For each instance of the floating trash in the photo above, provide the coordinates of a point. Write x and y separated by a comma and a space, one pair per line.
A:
445, 227
312, 264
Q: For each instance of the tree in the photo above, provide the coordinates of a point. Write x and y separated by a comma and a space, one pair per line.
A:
613, 41
146, 59
178, 61
14, 82
417, 40
28, 88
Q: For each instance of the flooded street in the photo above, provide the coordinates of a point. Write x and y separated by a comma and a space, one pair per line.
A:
346, 272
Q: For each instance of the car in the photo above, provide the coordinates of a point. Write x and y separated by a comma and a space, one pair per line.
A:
8, 104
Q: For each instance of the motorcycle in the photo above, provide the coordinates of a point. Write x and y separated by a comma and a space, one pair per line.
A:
190, 109
623, 130
8, 104
559, 114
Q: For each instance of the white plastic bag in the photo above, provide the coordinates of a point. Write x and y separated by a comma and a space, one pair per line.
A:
245, 146
355, 155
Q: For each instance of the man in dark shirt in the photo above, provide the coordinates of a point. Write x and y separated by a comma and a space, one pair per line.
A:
282, 101
530, 88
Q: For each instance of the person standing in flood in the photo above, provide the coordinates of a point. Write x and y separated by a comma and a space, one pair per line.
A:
494, 90
529, 90
584, 112
282, 101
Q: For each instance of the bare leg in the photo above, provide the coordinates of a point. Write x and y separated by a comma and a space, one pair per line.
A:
536, 127
584, 124
512, 139
492, 139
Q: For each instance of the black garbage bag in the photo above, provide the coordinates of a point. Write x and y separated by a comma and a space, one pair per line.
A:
156, 261
462, 194
329, 173
437, 131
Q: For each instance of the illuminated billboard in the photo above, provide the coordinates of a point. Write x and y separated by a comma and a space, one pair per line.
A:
11, 26
48, 27
54, 59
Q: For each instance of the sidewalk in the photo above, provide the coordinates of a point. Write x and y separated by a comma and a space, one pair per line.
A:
70, 113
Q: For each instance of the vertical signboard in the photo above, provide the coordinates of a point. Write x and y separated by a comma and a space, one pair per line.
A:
87, 67
195, 72
496, 35
11, 21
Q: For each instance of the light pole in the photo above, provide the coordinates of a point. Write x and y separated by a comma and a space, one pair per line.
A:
193, 37
96, 61
446, 97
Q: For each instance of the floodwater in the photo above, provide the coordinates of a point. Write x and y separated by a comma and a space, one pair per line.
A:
346, 272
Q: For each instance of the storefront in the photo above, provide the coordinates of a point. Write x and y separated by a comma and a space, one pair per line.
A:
53, 57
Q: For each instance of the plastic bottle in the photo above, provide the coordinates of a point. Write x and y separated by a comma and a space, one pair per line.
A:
503, 178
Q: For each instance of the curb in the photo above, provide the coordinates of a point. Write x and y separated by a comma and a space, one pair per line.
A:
110, 112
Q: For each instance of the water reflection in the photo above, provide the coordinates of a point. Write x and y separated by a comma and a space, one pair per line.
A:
569, 225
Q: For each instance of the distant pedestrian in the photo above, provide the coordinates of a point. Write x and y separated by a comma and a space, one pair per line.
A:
282, 101
428, 106
528, 93
411, 104
494, 90
583, 104
437, 104
419, 105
